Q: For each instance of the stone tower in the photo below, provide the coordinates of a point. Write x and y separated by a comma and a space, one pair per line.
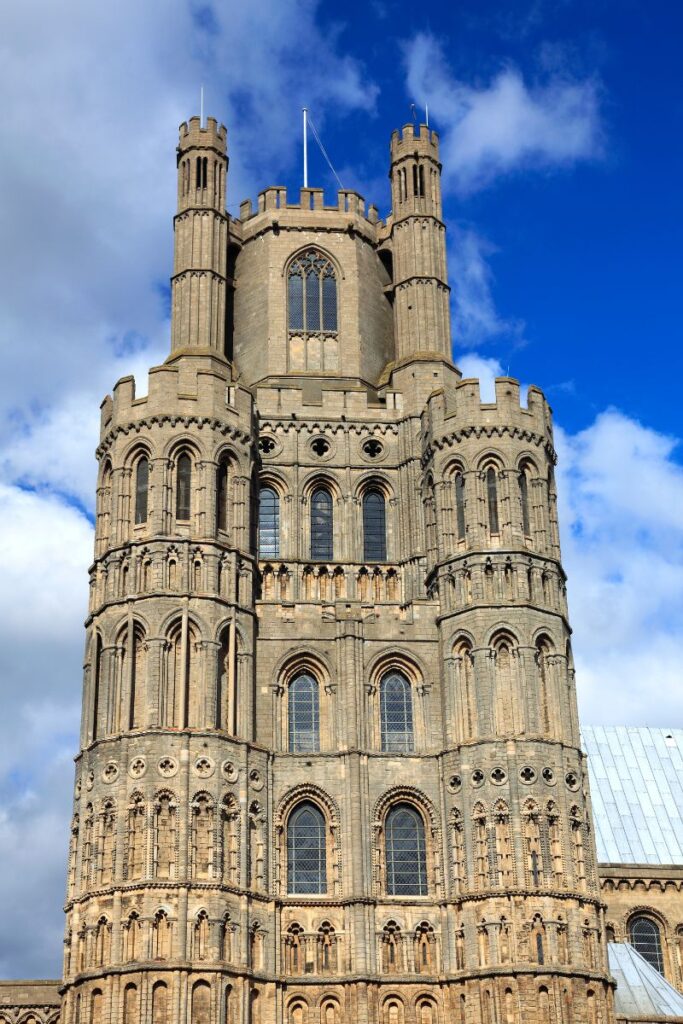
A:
330, 767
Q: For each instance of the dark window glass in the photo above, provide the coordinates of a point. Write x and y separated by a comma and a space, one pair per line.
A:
312, 301
524, 500
296, 302
396, 713
312, 294
540, 956
183, 487
374, 527
406, 858
460, 505
222, 495
141, 490
329, 303
269, 524
492, 498
303, 713
646, 939
321, 525
306, 869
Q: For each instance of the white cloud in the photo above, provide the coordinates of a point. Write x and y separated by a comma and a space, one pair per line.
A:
471, 364
476, 320
621, 508
504, 126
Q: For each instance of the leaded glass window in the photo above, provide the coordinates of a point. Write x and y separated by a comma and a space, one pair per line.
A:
646, 939
303, 714
312, 294
222, 495
374, 527
183, 487
306, 867
269, 523
396, 713
406, 856
321, 525
141, 490
524, 501
460, 505
492, 499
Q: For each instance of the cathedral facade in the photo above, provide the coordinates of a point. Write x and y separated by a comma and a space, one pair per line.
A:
330, 765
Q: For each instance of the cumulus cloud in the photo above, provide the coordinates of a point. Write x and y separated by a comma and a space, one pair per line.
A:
506, 125
476, 320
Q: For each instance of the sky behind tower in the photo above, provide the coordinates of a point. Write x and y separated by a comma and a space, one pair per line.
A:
562, 143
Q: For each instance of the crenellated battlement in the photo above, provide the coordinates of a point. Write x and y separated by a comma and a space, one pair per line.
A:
464, 405
311, 201
211, 136
414, 139
192, 387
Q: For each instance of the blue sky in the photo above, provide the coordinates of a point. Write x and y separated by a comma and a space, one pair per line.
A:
561, 140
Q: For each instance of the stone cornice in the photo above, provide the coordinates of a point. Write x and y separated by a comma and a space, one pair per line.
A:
173, 420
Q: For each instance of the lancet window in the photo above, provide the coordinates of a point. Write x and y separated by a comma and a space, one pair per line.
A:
222, 493
396, 713
374, 527
203, 828
165, 837
491, 480
141, 490
322, 525
312, 294
183, 487
460, 524
306, 850
405, 852
303, 713
269, 523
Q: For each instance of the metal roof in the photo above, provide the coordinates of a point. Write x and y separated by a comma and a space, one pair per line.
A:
642, 992
636, 780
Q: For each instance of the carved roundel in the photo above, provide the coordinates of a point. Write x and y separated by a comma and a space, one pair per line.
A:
455, 784
499, 776
137, 767
230, 771
572, 780
372, 449
77, 789
477, 778
90, 780
110, 772
527, 775
321, 447
168, 766
549, 776
256, 779
268, 446
204, 767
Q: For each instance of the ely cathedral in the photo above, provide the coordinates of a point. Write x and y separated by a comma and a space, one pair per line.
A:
330, 766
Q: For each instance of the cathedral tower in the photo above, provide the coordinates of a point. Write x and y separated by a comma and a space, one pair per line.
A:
330, 768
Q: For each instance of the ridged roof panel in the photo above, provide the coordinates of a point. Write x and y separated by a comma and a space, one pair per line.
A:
636, 779
642, 992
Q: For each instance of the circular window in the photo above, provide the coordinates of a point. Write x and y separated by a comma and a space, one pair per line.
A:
477, 777
572, 780
372, 448
267, 445
498, 776
454, 783
549, 776
527, 775
321, 447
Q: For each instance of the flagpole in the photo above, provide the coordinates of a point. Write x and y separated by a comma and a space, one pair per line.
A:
305, 113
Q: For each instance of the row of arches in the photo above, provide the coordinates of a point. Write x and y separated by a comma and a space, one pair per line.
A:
322, 525
151, 842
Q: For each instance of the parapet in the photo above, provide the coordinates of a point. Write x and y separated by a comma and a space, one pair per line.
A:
462, 407
274, 201
193, 136
412, 139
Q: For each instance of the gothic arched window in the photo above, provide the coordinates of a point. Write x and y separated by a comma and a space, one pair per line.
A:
222, 477
141, 490
396, 713
460, 505
322, 525
306, 862
312, 294
374, 527
269, 523
646, 938
405, 851
492, 499
303, 714
183, 487
524, 501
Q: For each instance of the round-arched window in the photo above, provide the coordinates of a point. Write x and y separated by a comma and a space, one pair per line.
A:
646, 938
269, 523
303, 714
396, 713
405, 852
306, 860
374, 527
